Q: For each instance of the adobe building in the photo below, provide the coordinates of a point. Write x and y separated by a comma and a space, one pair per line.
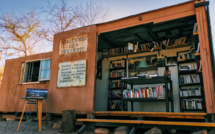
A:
84, 70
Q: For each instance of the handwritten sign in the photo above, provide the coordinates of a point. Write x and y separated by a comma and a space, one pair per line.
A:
72, 74
73, 45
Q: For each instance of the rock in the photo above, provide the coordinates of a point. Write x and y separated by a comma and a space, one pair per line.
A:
10, 119
154, 130
101, 131
121, 130
172, 131
200, 132
50, 123
89, 130
56, 126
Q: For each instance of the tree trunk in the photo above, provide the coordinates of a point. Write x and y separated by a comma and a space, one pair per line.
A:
68, 121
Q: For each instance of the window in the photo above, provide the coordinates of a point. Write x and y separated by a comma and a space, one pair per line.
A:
45, 70
36, 71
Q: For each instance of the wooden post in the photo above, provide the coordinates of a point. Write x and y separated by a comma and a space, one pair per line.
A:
69, 119
39, 114
23, 111
205, 57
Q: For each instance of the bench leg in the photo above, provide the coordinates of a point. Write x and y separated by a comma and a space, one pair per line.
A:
23, 111
133, 130
81, 130
39, 114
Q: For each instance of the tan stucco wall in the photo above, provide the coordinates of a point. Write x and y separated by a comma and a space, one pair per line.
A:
81, 98
11, 91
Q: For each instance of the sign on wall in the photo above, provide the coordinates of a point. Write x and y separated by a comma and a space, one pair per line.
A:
73, 45
72, 74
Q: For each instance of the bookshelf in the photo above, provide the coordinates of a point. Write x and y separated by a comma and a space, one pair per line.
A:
147, 47
161, 93
191, 91
117, 70
135, 68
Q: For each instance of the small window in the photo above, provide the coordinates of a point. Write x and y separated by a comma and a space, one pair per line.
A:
36, 71
45, 70
32, 71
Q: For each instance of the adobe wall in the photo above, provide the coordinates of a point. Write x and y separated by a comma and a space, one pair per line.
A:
11, 91
76, 98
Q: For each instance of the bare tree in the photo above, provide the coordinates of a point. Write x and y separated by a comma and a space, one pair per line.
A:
62, 16
90, 13
19, 35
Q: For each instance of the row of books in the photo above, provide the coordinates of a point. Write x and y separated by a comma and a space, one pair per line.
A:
164, 43
115, 74
114, 95
175, 41
114, 51
117, 65
114, 105
187, 67
146, 46
189, 79
148, 92
190, 92
117, 84
186, 56
190, 104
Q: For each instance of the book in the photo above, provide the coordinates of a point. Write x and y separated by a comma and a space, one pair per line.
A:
143, 92
198, 49
200, 66
130, 46
160, 91
195, 28
153, 75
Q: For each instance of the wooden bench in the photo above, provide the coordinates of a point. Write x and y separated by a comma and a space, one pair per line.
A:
145, 122
173, 115
119, 118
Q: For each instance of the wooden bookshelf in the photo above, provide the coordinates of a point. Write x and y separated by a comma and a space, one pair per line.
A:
117, 68
154, 80
186, 61
195, 98
187, 72
114, 100
190, 84
146, 51
195, 33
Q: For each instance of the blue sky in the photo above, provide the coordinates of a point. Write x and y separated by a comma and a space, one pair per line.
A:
117, 8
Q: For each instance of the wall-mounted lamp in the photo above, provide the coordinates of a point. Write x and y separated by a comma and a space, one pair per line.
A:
143, 64
140, 17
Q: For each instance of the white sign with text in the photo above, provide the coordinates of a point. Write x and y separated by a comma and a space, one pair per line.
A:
72, 74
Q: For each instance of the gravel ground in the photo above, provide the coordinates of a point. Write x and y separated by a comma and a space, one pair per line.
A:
9, 127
